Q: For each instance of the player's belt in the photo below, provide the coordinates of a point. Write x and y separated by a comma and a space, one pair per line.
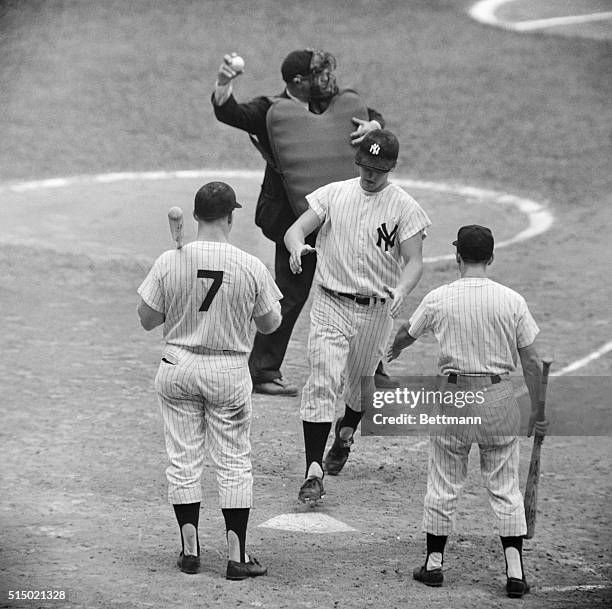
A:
494, 378
362, 300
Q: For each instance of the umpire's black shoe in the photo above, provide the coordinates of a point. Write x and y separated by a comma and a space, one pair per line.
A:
244, 570
312, 490
188, 563
276, 387
338, 454
433, 578
516, 588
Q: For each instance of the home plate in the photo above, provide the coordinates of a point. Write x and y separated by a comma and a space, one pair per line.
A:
311, 522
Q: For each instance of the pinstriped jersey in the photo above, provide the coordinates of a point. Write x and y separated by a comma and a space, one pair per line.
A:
358, 243
209, 292
479, 324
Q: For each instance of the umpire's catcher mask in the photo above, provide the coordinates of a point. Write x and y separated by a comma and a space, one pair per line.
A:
322, 79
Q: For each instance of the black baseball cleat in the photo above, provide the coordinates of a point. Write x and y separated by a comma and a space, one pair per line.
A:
188, 563
312, 490
338, 454
243, 570
433, 578
516, 588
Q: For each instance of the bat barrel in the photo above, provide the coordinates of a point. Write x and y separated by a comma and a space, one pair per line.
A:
175, 219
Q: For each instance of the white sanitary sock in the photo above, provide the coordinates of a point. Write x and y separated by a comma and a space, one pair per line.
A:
434, 561
190, 540
513, 558
315, 470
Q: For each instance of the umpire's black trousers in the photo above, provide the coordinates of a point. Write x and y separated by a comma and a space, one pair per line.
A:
269, 349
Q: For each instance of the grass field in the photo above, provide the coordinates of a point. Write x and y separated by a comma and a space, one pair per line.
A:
95, 87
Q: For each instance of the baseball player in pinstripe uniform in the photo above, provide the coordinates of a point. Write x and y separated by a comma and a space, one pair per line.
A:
483, 329
205, 295
369, 258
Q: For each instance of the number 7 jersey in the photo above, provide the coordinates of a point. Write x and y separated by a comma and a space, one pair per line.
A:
209, 293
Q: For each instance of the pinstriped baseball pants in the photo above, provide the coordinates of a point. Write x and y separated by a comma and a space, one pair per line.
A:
345, 343
449, 448
205, 402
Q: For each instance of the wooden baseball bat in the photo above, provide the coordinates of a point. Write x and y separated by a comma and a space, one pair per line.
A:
533, 477
175, 219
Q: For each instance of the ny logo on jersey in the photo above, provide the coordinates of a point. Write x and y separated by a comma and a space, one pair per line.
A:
384, 235
375, 149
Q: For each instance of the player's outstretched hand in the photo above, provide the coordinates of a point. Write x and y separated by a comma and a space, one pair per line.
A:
295, 257
362, 128
398, 300
393, 351
538, 427
226, 72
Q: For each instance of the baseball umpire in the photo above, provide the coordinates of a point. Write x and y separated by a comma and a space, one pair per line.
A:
369, 229
483, 329
205, 295
310, 83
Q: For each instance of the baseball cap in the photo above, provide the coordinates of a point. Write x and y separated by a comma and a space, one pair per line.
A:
378, 150
474, 242
215, 200
297, 62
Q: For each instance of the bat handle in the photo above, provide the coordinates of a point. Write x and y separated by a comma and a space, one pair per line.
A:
546, 363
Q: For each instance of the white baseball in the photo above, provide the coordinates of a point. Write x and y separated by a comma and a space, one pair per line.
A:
237, 63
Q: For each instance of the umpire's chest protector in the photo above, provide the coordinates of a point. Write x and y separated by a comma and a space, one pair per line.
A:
311, 150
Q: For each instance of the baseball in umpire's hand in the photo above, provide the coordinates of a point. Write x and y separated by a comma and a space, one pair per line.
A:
229, 69
295, 258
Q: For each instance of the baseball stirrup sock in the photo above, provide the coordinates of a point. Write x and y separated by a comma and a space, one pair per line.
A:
236, 521
351, 418
188, 513
435, 551
315, 438
513, 553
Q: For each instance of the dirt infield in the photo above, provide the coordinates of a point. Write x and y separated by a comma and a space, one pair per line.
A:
101, 87
84, 505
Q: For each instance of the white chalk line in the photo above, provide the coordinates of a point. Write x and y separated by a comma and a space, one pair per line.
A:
579, 363
485, 12
577, 588
539, 24
539, 218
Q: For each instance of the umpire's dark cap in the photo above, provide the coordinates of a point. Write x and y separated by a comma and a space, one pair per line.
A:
297, 62
475, 243
215, 200
378, 150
